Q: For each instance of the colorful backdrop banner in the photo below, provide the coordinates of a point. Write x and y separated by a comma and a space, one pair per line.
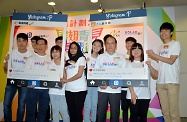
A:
43, 25
79, 31
119, 24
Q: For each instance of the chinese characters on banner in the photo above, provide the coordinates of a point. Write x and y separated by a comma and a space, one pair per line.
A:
78, 30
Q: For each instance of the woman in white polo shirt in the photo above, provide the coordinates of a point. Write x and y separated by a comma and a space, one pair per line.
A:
57, 96
76, 87
138, 97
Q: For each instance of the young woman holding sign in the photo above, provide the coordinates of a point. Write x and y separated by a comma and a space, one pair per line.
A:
76, 87
57, 96
90, 104
138, 97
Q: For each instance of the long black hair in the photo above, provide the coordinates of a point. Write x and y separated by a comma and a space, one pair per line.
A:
102, 48
76, 56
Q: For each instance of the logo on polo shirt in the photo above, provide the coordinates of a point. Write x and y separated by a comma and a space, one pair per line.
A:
164, 52
70, 67
18, 61
116, 58
40, 63
110, 64
92, 65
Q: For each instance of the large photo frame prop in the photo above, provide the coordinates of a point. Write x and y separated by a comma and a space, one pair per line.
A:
121, 25
48, 26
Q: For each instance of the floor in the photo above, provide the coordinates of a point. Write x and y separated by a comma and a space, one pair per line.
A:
184, 119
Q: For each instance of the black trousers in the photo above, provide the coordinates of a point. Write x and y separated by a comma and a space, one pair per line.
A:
75, 102
114, 100
139, 110
124, 105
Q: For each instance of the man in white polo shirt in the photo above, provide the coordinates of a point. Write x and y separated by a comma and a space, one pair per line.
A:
109, 94
39, 61
168, 73
129, 41
18, 59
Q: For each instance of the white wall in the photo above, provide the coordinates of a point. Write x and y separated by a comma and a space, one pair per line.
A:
181, 34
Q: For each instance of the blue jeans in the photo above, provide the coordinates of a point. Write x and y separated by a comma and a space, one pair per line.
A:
90, 104
35, 96
10, 92
58, 103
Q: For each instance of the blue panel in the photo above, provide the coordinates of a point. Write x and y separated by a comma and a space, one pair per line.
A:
40, 17
118, 15
116, 82
36, 83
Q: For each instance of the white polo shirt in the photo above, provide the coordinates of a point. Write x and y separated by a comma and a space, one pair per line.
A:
141, 92
18, 60
106, 60
58, 68
71, 70
37, 62
169, 73
91, 63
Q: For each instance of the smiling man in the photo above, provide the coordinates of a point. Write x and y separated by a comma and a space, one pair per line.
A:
109, 94
167, 73
39, 61
18, 60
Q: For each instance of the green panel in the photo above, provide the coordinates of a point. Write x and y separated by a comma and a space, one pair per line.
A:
150, 114
166, 18
3, 31
154, 19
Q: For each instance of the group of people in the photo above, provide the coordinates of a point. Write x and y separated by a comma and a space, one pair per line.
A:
75, 95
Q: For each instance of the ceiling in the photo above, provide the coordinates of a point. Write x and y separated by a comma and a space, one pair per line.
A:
35, 6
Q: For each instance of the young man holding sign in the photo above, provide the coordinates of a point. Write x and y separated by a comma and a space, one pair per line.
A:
167, 73
18, 59
129, 41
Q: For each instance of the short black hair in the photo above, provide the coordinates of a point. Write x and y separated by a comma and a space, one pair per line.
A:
167, 26
35, 38
109, 36
58, 38
23, 36
56, 47
132, 39
134, 46
41, 39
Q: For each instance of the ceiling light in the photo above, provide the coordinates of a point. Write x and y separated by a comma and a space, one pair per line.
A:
94, 1
101, 10
51, 3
